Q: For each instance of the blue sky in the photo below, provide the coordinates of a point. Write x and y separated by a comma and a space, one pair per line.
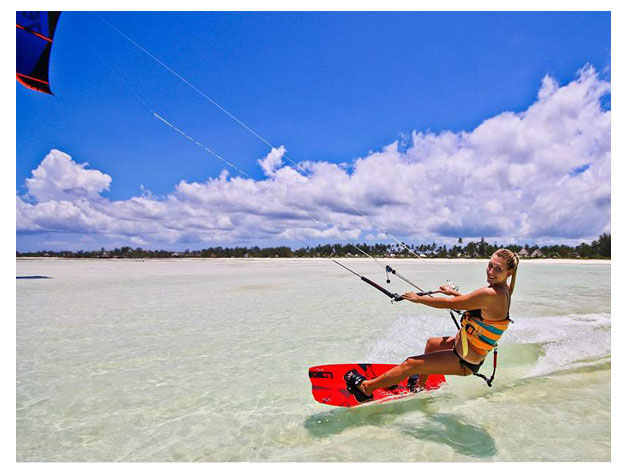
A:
336, 90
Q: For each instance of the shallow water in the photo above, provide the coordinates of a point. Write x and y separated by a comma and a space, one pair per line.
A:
206, 360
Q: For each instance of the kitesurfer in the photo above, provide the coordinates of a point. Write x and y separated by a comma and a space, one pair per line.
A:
485, 319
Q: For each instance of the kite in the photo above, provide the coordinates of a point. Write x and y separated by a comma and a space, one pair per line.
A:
35, 31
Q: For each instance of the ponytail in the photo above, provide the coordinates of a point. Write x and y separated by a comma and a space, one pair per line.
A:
512, 260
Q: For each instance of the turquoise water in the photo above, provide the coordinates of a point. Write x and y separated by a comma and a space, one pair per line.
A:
206, 360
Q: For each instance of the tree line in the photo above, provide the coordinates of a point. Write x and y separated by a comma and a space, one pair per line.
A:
598, 249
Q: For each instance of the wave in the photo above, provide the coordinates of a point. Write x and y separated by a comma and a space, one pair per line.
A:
540, 345
569, 342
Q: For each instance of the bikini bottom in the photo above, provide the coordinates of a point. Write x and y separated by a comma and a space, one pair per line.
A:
474, 367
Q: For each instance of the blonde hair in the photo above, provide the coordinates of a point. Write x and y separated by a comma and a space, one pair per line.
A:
512, 260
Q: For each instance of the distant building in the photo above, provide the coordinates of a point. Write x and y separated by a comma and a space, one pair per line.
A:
523, 253
537, 253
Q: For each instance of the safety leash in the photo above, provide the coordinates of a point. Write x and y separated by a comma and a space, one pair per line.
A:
491, 378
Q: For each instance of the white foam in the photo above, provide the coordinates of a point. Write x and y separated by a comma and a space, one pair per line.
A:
567, 341
407, 336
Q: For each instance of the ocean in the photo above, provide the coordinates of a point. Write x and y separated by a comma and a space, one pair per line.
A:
206, 360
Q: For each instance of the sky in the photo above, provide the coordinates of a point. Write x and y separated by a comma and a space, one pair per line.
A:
305, 128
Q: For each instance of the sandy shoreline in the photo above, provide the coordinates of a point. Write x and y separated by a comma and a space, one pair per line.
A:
301, 259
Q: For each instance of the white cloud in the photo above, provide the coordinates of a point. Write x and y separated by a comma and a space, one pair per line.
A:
542, 174
272, 162
58, 177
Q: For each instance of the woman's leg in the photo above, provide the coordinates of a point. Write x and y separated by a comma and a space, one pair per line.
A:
435, 344
439, 343
435, 362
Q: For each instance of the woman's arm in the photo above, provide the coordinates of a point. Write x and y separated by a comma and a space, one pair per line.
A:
477, 299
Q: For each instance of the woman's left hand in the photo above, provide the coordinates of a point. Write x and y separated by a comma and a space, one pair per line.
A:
447, 290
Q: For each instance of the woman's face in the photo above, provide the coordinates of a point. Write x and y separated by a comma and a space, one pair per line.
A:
496, 271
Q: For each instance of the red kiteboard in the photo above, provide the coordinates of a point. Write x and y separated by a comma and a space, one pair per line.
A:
328, 385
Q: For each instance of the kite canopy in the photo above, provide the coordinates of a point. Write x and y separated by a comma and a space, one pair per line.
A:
35, 31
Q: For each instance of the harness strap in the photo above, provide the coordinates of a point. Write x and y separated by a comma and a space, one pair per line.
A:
454, 319
491, 378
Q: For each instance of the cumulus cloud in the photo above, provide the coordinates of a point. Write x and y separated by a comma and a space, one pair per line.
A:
272, 161
59, 178
539, 175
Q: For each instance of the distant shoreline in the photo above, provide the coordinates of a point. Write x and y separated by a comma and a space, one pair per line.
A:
351, 259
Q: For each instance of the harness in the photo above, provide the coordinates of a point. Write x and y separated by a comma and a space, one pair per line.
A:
481, 335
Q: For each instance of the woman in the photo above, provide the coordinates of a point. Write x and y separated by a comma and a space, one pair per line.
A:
486, 318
